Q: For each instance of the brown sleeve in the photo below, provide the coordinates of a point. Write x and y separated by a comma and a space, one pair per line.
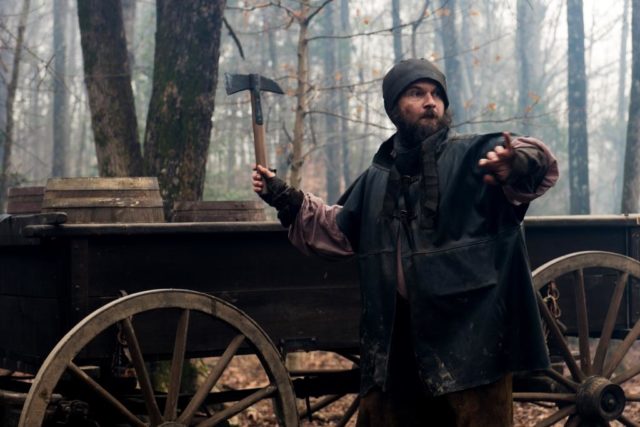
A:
315, 231
535, 170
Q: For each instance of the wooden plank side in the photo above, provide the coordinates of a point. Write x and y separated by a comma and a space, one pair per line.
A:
38, 271
298, 319
30, 328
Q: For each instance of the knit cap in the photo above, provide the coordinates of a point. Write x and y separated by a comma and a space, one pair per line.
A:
406, 72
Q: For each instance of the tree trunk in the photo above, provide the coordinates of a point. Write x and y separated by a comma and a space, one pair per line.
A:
60, 98
332, 158
344, 65
452, 63
530, 14
414, 29
301, 96
397, 31
182, 100
11, 96
108, 81
622, 80
5, 58
577, 103
622, 106
631, 186
129, 20
282, 141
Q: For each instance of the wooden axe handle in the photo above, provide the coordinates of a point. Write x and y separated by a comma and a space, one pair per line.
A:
258, 141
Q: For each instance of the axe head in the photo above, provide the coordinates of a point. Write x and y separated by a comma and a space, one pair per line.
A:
254, 82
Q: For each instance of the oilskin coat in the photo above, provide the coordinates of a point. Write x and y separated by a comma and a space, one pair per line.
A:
473, 312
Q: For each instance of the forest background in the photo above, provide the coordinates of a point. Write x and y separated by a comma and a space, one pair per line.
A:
557, 70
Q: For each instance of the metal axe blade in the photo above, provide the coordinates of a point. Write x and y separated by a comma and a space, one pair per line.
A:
238, 82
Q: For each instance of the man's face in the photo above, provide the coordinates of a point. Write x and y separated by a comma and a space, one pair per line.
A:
421, 109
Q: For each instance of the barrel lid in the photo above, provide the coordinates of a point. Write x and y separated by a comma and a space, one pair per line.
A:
99, 183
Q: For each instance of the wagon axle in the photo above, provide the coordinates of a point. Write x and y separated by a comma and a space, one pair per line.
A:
599, 398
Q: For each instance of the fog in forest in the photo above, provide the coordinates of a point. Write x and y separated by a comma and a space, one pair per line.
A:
507, 64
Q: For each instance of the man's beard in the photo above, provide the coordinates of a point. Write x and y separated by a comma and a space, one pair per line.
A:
416, 132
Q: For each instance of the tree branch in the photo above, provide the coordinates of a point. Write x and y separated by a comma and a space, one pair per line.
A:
233, 36
315, 12
329, 113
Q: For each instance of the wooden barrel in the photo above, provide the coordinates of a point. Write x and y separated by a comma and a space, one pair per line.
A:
24, 200
218, 211
105, 200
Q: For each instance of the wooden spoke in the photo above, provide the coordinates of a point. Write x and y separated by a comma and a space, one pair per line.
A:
141, 372
622, 350
175, 378
627, 422
212, 378
351, 410
609, 323
556, 333
320, 404
239, 407
82, 376
583, 322
560, 379
557, 416
606, 360
544, 397
98, 326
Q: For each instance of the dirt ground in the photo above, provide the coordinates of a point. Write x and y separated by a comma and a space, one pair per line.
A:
243, 368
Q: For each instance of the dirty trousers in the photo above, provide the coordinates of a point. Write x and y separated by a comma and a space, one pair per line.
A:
406, 403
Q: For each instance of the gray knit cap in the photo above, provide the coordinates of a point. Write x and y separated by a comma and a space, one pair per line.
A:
406, 72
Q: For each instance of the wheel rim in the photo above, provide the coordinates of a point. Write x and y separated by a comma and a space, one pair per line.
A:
590, 391
122, 312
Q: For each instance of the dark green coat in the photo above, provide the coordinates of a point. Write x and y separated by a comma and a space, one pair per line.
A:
473, 311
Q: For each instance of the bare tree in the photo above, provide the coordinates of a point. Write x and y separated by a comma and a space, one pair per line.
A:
303, 16
414, 27
7, 141
577, 103
331, 122
453, 65
60, 98
108, 80
623, 105
397, 30
631, 185
182, 102
129, 19
344, 64
530, 14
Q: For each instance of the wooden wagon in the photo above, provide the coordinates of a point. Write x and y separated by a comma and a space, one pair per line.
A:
93, 314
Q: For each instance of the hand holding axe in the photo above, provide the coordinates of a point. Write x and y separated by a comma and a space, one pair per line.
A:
254, 83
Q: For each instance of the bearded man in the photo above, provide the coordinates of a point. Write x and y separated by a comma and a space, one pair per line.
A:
448, 309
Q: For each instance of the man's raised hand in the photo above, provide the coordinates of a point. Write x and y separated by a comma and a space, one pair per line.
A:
498, 163
259, 172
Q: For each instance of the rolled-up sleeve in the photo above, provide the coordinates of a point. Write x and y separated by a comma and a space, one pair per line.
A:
315, 230
535, 171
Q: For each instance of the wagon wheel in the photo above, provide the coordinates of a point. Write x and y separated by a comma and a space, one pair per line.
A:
171, 408
590, 387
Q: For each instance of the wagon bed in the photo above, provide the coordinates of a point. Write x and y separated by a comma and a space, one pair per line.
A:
54, 275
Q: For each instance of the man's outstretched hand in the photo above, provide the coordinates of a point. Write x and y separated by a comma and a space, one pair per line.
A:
497, 163
256, 179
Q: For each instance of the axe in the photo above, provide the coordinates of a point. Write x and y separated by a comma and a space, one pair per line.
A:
254, 83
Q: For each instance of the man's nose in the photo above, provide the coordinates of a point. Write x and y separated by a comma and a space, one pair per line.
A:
429, 101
